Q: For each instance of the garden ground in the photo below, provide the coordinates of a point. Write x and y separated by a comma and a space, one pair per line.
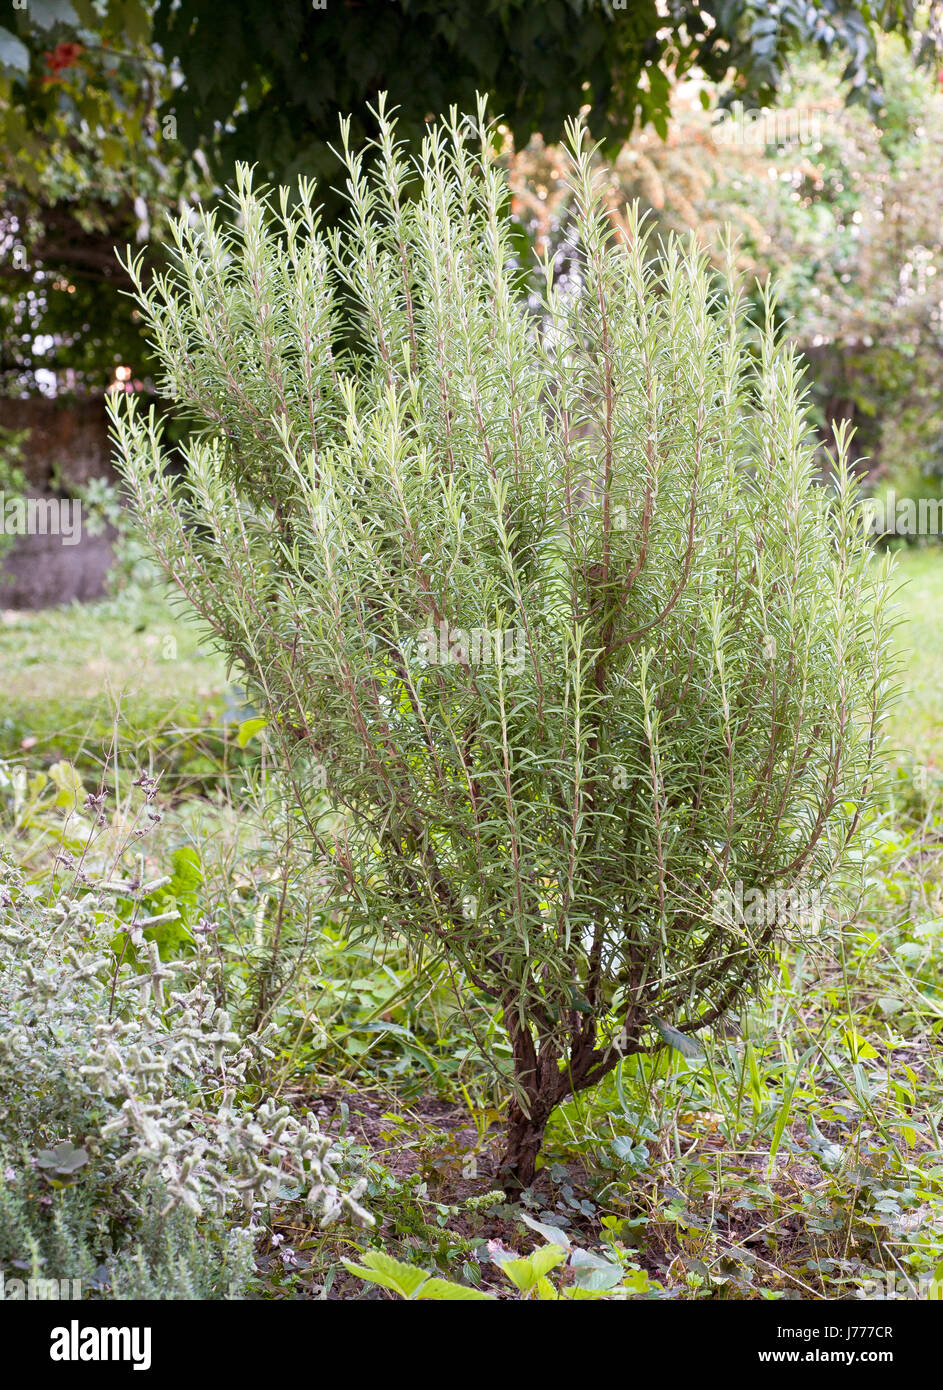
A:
799, 1158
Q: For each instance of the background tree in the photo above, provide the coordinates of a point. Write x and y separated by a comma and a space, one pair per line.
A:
104, 104
271, 80
843, 212
86, 165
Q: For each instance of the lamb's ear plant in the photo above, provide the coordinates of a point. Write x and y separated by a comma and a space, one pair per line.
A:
566, 653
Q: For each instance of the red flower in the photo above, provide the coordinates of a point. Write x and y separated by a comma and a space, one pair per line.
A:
64, 55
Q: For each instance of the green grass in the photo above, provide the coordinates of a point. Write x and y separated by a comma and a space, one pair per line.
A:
73, 676
916, 725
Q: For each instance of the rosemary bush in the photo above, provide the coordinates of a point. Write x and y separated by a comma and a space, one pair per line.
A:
557, 637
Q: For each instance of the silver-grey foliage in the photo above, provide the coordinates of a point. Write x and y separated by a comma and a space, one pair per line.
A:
140, 1075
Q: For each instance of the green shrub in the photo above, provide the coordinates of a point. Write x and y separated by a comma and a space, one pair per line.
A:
135, 1131
556, 638
68, 1235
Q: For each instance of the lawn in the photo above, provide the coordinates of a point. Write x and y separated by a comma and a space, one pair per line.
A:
916, 727
75, 677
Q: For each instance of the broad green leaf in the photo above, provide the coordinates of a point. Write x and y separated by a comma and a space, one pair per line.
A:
444, 1290
64, 1158
623, 1146
248, 730
547, 1258
382, 1269
889, 1004
553, 1234
520, 1274
679, 1041
524, 1273
592, 1271
859, 1049
637, 1280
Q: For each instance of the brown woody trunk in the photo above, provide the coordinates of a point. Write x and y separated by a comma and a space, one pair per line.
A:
525, 1134
544, 1085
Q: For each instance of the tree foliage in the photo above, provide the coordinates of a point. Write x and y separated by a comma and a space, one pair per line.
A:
276, 77
86, 166
842, 211
104, 104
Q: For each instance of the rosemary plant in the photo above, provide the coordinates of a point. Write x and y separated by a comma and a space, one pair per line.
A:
559, 639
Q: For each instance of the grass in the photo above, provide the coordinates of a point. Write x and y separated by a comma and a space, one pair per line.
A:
129, 669
801, 1158
916, 727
